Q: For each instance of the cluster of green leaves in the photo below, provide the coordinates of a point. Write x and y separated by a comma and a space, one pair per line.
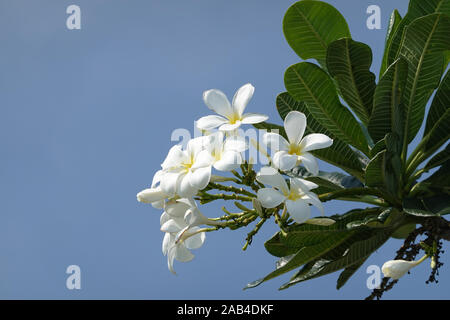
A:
372, 125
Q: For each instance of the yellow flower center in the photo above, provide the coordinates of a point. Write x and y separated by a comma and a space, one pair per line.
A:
295, 149
294, 196
233, 118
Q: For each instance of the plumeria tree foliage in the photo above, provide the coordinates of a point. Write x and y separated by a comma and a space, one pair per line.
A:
334, 110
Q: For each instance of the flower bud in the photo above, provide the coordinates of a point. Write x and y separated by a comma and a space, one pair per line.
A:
396, 269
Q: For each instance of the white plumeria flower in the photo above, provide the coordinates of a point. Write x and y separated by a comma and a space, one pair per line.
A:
231, 116
290, 153
180, 236
296, 198
154, 195
187, 171
396, 269
226, 153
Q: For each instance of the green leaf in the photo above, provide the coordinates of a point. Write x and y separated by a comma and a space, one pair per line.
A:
416, 9
278, 248
310, 26
441, 178
378, 147
327, 181
437, 129
309, 83
432, 206
387, 112
439, 159
394, 22
339, 153
303, 235
404, 231
304, 255
348, 273
375, 171
423, 46
270, 127
438, 135
349, 62
385, 169
353, 251
440, 104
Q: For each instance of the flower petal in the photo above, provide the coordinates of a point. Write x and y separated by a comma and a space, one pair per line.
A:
170, 258
176, 209
164, 218
202, 159
185, 188
196, 145
230, 160
157, 178
295, 125
171, 226
298, 210
168, 240
284, 161
229, 126
235, 143
210, 122
270, 198
158, 204
252, 118
242, 97
194, 217
313, 199
217, 101
275, 141
303, 185
151, 195
270, 176
182, 254
174, 158
310, 163
195, 241
199, 178
315, 141
169, 182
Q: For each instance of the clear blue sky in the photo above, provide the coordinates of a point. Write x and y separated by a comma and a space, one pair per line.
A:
86, 118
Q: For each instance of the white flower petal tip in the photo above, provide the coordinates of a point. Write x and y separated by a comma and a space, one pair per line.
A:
396, 269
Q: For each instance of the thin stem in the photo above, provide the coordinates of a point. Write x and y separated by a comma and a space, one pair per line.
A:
217, 186
250, 235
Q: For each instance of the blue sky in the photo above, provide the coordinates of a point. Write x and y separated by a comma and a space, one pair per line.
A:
86, 119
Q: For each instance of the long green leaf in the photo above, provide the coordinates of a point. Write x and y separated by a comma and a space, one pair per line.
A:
432, 206
304, 255
327, 181
309, 26
348, 272
441, 103
437, 128
353, 251
349, 62
439, 159
423, 46
309, 83
339, 153
394, 22
416, 9
388, 111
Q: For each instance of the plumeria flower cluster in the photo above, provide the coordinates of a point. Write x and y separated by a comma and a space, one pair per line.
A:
187, 173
